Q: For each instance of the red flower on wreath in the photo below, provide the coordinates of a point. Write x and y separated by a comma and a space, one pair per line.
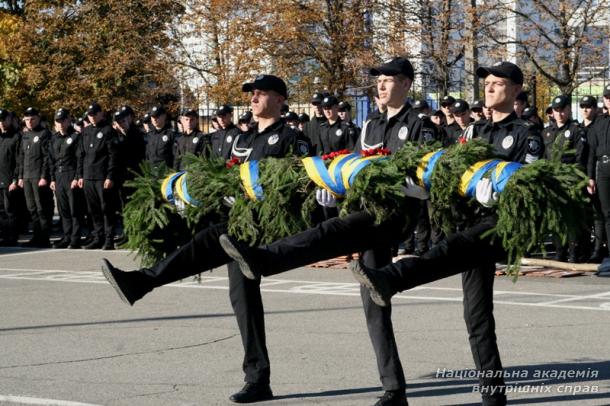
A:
232, 162
335, 154
375, 151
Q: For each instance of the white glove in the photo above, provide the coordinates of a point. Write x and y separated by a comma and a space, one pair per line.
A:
484, 193
325, 198
228, 201
414, 190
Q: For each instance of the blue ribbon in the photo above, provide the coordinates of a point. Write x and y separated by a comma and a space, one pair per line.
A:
427, 178
502, 173
478, 175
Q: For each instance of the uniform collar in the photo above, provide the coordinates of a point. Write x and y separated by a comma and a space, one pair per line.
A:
506, 121
401, 116
273, 127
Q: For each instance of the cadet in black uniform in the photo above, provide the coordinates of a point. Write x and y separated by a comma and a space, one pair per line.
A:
335, 135
9, 175
191, 141
345, 114
97, 170
34, 178
303, 119
292, 119
476, 109
161, 138
64, 148
270, 138
521, 103
244, 122
131, 150
312, 127
224, 137
460, 110
565, 139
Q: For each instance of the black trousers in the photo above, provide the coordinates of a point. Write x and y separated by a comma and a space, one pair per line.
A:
8, 215
69, 206
603, 191
39, 201
100, 203
467, 253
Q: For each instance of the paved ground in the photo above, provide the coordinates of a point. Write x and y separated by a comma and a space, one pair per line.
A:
66, 338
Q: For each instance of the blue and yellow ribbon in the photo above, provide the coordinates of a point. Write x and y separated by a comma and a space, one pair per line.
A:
502, 173
167, 186
317, 171
473, 175
350, 170
336, 170
426, 168
248, 172
182, 191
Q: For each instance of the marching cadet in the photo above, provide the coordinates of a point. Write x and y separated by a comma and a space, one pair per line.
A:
97, 170
161, 138
191, 141
34, 178
588, 110
521, 103
223, 138
476, 110
270, 137
64, 148
312, 127
345, 114
9, 176
335, 135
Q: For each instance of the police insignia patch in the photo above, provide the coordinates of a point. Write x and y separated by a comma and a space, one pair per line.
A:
533, 146
100, 135
339, 132
195, 140
273, 139
402, 133
508, 142
36, 138
165, 138
69, 141
567, 134
229, 139
303, 147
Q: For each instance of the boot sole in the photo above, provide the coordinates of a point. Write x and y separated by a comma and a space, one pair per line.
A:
107, 271
232, 251
365, 281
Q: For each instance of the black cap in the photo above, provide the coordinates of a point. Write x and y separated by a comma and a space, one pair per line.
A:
224, 109
420, 105
528, 112
393, 67
61, 114
561, 101
189, 113
477, 105
31, 112
439, 113
245, 117
266, 82
522, 96
447, 101
549, 109
291, 116
146, 119
502, 70
80, 122
4, 114
588, 101
330, 101
345, 106
93, 109
303, 117
123, 112
317, 97
157, 111
607, 91
460, 106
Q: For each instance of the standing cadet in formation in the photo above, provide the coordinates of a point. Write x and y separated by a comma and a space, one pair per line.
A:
312, 127
292, 119
477, 110
303, 119
224, 137
271, 137
9, 175
97, 170
191, 140
64, 148
345, 114
521, 103
244, 122
34, 178
335, 135
161, 138
460, 110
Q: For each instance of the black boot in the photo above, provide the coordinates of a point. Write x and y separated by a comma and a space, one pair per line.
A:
392, 398
130, 286
239, 253
252, 392
380, 288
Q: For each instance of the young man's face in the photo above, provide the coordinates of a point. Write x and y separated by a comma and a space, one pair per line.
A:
62, 125
393, 90
562, 114
31, 122
317, 110
266, 103
588, 113
345, 115
606, 103
477, 115
96, 118
159, 122
500, 92
463, 119
189, 123
519, 106
5, 124
331, 113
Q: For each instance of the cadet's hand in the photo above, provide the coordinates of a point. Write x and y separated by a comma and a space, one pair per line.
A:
108, 184
591, 188
228, 201
20, 183
325, 198
81, 183
414, 190
74, 184
42, 183
52, 186
484, 193
12, 186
